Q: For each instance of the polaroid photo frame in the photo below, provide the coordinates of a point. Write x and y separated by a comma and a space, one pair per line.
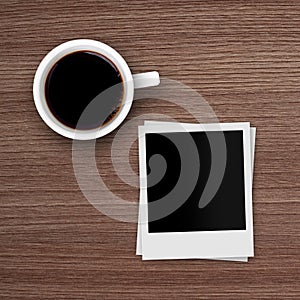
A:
139, 250
203, 244
161, 123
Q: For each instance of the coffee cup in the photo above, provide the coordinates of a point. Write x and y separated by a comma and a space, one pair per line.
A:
73, 75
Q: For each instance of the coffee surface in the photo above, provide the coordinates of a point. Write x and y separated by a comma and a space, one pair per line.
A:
78, 79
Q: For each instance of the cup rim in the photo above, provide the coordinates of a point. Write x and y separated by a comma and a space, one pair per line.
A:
47, 63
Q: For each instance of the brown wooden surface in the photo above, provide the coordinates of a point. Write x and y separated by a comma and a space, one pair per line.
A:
244, 58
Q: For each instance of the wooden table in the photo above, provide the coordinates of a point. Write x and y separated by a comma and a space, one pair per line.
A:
243, 58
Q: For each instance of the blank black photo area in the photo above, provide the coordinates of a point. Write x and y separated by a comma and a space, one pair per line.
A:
226, 210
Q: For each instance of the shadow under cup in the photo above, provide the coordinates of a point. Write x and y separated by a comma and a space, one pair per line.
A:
84, 90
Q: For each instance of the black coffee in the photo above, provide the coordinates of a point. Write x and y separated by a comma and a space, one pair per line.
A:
78, 79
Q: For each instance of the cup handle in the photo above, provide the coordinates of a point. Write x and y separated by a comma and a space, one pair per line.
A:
144, 80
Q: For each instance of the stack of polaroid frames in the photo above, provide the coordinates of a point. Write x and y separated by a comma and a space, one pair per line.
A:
196, 191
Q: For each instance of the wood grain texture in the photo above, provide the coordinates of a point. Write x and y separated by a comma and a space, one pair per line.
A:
243, 57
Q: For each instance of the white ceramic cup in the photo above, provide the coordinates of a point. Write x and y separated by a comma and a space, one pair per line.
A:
130, 82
